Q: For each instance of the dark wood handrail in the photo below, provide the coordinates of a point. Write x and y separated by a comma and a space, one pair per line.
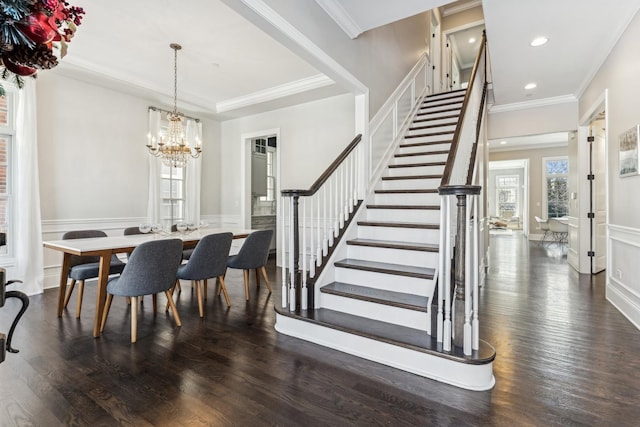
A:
327, 173
446, 176
474, 150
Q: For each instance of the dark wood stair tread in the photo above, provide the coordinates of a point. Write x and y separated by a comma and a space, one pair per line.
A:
408, 191
386, 268
458, 92
426, 135
400, 178
432, 126
401, 336
431, 119
417, 165
423, 207
445, 110
422, 153
394, 224
378, 296
389, 244
438, 102
423, 144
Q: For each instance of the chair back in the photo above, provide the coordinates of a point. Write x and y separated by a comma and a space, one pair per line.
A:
151, 269
132, 230
83, 234
558, 226
544, 225
254, 251
209, 258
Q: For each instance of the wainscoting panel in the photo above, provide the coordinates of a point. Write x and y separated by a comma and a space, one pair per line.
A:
623, 286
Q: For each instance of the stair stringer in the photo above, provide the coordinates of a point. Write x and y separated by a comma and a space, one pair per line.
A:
476, 377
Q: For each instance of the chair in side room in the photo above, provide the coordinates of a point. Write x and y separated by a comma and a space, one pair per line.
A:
559, 230
86, 267
253, 255
544, 226
208, 261
151, 269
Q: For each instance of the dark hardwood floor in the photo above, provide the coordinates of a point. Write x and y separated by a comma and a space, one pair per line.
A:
565, 356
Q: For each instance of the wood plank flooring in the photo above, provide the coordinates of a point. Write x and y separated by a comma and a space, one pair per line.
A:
565, 356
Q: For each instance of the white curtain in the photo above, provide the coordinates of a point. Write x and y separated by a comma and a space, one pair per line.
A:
155, 215
192, 175
28, 227
154, 207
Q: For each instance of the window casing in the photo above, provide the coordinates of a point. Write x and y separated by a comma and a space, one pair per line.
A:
555, 186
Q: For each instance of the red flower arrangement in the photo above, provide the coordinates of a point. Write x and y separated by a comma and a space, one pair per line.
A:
29, 32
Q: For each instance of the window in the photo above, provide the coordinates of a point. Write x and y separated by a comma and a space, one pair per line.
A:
271, 179
7, 131
173, 193
556, 196
507, 196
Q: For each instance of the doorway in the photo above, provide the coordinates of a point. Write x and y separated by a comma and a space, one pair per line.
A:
508, 196
597, 193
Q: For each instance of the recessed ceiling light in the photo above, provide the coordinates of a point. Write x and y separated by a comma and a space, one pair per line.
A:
530, 86
472, 40
539, 41
503, 142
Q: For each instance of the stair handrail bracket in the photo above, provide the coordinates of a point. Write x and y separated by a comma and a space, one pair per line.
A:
458, 283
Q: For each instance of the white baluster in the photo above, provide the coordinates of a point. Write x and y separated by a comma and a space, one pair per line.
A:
292, 273
312, 235
442, 272
467, 279
336, 206
344, 204
476, 272
319, 230
325, 243
283, 256
446, 339
329, 183
303, 300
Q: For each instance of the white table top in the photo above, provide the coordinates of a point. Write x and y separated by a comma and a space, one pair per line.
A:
116, 244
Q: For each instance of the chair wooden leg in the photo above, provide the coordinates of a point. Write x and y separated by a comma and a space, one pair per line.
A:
134, 319
68, 295
223, 288
246, 284
174, 309
171, 291
105, 312
129, 300
206, 286
257, 277
266, 279
154, 299
199, 294
79, 301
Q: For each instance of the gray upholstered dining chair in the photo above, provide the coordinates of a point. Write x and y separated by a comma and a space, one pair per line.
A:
208, 261
86, 267
253, 255
151, 269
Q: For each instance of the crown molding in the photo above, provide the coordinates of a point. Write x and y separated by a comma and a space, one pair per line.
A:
288, 89
341, 17
536, 103
524, 147
460, 8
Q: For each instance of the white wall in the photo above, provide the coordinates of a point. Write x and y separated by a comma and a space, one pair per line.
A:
510, 122
311, 136
619, 74
379, 58
93, 162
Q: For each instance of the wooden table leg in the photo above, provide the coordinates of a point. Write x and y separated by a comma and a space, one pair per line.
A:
101, 292
64, 275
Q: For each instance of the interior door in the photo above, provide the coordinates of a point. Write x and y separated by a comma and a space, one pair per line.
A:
434, 52
599, 206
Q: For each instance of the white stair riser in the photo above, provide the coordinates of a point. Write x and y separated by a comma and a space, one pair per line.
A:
468, 376
407, 199
446, 138
410, 184
371, 310
394, 256
423, 148
390, 282
416, 170
427, 216
420, 120
445, 95
431, 115
444, 105
412, 235
420, 159
416, 132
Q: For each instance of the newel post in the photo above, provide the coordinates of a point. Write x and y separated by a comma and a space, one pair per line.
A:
296, 250
459, 274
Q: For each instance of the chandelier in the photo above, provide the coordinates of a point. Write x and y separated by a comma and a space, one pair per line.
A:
173, 147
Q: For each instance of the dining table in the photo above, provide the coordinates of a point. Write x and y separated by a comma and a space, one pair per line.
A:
104, 247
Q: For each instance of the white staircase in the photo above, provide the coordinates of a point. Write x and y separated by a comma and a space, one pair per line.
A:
376, 293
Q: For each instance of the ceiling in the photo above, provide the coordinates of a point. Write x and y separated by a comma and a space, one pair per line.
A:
228, 67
